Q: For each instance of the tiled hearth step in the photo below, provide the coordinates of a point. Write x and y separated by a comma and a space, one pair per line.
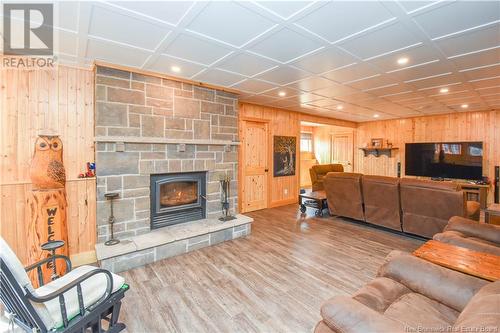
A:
170, 241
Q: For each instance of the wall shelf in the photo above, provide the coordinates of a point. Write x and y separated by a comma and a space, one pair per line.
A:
378, 151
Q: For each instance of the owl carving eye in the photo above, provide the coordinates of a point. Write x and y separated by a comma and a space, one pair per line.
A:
43, 145
56, 145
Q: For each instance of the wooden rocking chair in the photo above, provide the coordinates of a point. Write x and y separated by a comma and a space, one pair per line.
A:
75, 302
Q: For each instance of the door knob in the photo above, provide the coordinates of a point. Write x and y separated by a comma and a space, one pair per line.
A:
266, 170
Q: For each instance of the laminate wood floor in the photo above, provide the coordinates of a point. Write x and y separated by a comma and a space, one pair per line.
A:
272, 281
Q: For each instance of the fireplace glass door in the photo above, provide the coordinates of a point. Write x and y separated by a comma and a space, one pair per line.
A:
178, 193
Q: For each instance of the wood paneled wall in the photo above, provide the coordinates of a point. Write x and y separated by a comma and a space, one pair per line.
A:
467, 126
283, 190
60, 100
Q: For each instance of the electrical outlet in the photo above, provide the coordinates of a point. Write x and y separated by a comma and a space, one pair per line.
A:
285, 191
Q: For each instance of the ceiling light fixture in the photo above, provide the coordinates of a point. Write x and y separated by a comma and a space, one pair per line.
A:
282, 94
175, 69
464, 106
444, 90
403, 61
340, 107
376, 115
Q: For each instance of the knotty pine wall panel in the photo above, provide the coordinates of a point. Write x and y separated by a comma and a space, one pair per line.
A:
60, 100
464, 126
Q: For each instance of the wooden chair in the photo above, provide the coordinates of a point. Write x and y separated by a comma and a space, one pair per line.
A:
79, 300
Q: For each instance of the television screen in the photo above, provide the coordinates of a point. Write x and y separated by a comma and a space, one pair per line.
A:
456, 160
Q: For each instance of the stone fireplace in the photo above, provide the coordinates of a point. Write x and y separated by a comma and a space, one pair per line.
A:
163, 146
177, 197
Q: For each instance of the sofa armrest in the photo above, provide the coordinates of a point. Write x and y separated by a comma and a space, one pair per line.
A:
446, 286
346, 315
471, 228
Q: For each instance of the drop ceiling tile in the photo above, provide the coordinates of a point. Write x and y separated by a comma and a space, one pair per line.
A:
373, 82
275, 92
416, 56
452, 88
281, 103
438, 81
68, 11
283, 75
285, 45
218, 77
195, 49
484, 83
481, 73
216, 18
478, 59
165, 63
284, 9
125, 29
258, 99
325, 60
336, 90
115, 53
247, 64
380, 41
470, 41
423, 71
351, 73
66, 42
488, 90
252, 85
323, 103
454, 95
310, 84
403, 97
337, 20
168, 11
412, 6
304, 98
357, 98
457, 16
391, 90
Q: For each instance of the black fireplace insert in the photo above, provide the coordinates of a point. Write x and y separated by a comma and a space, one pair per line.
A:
177, 198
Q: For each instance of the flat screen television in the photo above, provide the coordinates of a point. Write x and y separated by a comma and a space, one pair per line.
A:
454, 160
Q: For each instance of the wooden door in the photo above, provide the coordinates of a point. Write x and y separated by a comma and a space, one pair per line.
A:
254, 170
342, 150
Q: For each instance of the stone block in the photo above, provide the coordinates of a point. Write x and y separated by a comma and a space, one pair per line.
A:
117, 163
143, 214
113, 82
174, 166
101, 70
210, 165
230, 111
164, 112
224, 100
113, 183
132, 182
134, 120
230, 156
125, 96
101, 131
138, 224
228, 130
172, 152
140, 109
161, 166
226, 137
122, 131
159, 103
196, 246
183, 93
186, 108
213, 187
100, 93
205, 155
171, 249
146, 78
204, 94
137, 85
133, 260
123, 211
152, 126
171, 83
159, 147
142, 203
187, 86
159, 92
228, 121
187, 165
134, 193
176, 134
137, 147
153, 155
199, 165
175, 123
214, 120
221, 236
214, 108
111, 114
100, 146
201, 129
146, 167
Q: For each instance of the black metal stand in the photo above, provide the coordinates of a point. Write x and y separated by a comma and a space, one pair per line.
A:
111, 220
52, 246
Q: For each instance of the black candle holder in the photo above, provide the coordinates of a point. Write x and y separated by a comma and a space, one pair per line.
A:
224, 185
111, 219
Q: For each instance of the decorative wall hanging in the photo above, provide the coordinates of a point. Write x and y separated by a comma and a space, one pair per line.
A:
284, 155
47, 203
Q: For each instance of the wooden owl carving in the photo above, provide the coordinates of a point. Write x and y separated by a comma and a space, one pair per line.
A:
47, 168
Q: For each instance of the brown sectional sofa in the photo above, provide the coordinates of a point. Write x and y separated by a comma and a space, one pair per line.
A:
469, 234
318, 173
420, 207
410, 294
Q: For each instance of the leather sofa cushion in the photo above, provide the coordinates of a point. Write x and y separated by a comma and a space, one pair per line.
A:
473, 210
416, 310
343, 192
381, 199
380, 293
482, 314
472, 243
488, 232
431, 184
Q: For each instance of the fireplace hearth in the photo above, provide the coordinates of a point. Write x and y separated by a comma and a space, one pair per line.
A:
177, 198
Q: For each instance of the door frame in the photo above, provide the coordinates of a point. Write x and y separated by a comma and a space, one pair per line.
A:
241, 150
332, 144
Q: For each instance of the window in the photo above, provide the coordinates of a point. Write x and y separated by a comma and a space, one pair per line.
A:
306, 142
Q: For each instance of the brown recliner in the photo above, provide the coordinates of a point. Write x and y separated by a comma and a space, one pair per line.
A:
382, 204
410, 294
472, 235
344, 194
428, 205
318, 173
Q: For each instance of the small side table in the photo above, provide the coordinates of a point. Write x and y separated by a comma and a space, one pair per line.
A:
316, 199
492, 210
52, 246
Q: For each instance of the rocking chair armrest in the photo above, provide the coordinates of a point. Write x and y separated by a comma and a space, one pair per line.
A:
59, 293
48, 259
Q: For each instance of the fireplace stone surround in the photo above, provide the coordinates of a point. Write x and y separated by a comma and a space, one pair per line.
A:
147, 125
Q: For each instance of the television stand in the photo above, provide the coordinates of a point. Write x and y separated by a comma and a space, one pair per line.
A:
476, 192
438, 179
